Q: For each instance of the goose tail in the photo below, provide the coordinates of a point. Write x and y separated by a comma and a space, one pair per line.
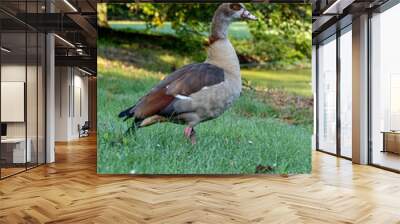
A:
127, 113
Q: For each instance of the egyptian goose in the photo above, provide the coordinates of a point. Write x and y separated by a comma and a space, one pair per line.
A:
196, 92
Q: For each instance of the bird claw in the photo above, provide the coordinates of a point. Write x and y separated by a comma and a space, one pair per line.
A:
193, 138
130, 131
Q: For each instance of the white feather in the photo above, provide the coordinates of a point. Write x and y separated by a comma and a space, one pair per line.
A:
182, 97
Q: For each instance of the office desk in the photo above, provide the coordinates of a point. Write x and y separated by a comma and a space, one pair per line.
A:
13, 150
391, 141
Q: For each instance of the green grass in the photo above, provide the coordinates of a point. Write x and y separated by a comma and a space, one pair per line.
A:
293, 81
141, 26
238, 30
247, 135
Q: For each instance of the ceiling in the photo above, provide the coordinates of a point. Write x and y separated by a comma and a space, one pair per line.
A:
206, 1
74, 22
331, 15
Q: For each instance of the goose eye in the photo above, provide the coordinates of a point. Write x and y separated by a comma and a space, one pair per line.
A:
235, 6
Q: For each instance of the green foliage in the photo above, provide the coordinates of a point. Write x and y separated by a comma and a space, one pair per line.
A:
281, 35
186, 19
190, 21
120, 12
142, 40
102, 15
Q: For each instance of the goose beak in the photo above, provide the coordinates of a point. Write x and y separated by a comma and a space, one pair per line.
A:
247, 15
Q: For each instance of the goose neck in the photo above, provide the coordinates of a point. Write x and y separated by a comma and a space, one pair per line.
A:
219, 27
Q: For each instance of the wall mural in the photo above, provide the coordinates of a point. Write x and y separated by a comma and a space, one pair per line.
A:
204, 88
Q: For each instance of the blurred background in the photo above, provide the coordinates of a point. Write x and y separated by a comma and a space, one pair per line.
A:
281, 38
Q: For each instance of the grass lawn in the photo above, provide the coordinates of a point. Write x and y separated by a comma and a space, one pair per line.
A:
293, 81
248, 135
238, 30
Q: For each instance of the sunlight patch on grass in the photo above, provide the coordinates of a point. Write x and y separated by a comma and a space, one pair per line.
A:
141, 26
119, 68
294, 81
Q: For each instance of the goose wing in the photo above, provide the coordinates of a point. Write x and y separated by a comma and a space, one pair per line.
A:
183, 82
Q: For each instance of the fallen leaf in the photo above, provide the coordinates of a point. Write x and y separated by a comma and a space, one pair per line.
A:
264, 169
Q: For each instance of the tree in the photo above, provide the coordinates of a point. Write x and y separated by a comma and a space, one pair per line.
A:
102, 15
282, 34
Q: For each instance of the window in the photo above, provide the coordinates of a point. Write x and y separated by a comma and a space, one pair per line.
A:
385, 89
346, 92
22, 77
327, 96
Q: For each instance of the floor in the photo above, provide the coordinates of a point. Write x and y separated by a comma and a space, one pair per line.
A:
387, 159
70, 191
10, 171
5, 172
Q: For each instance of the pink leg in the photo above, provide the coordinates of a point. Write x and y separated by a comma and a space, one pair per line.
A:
190, 134
188, 131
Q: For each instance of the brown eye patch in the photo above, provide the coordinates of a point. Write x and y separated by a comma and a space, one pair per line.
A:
235, 6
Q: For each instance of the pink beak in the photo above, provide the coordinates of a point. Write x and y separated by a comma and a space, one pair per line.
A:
247, 15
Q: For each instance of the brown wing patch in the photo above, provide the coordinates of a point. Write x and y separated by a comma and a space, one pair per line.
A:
184, 81
235, 6
153, 103
201, 76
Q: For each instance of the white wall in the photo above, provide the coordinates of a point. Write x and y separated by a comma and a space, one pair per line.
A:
80, 103
71, 93
62, 81
12, 73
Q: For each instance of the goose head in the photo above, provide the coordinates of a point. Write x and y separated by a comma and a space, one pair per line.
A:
223, 16
234, 11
